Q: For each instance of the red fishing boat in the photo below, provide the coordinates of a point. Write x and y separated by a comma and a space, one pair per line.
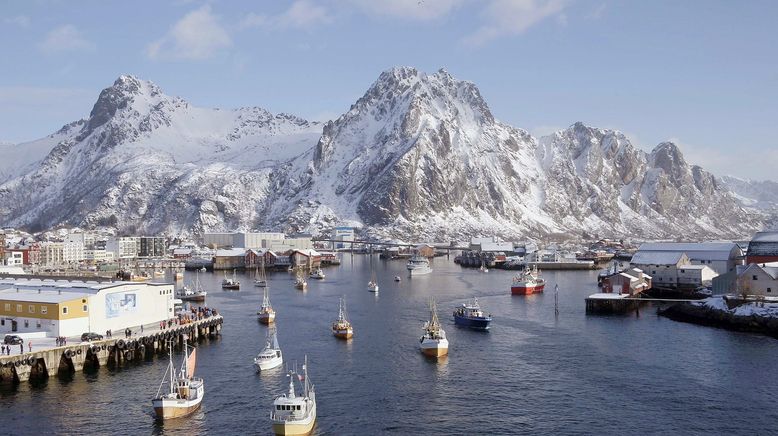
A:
528, 282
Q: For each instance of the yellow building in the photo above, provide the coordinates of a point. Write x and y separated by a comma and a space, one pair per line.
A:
61, 308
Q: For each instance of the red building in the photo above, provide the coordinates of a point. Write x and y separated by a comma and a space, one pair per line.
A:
632, 281
763, 248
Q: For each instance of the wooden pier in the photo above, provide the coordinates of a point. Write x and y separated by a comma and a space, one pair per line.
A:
607, 303
110, 352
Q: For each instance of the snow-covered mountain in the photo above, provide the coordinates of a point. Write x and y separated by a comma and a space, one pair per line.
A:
418, 156
146, 161
754, 193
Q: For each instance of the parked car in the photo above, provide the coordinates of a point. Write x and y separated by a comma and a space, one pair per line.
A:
91, 336
13, 340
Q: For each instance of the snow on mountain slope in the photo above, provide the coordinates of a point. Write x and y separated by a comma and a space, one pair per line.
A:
419, 156
422, 155
153, 162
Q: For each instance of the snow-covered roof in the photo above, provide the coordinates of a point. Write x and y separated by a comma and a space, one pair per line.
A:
769, 236
657, 257
182, 251
307, 251
696, 250
44, 296
230, 252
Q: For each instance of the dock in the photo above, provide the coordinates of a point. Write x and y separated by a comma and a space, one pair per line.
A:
611, 303
111, 352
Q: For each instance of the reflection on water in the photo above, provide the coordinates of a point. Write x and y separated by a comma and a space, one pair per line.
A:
533, 372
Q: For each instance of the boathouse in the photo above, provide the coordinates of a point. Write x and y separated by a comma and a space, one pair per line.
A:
231, 258
305, 258
662, 266
69, 308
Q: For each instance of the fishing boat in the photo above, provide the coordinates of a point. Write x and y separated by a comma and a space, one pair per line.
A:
418, 265
372, 285
341, 327
293, 415
186, 391
528, 282
203, 269
433, 342
299, 281
159, 273
470, 315
230, 283
270, 357
261, 278
318, 274
266, 314
195, 292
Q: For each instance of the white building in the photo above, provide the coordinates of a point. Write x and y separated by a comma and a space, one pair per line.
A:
83, 238
696, 276
97, 255
758, 279
256, 240
722, 257
342, 235
125, 247
61, 253
662, 266
61, 308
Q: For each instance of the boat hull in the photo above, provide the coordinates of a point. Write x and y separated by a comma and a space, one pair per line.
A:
199, 298
419, 271
267, 318
434, 348
231, 287
286, 428
526, 289
268, 364
343, 333
175, 408
473, 323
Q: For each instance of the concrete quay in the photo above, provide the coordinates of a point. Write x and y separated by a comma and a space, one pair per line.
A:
117, 350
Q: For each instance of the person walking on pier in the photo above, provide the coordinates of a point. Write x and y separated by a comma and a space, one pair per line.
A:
21, 348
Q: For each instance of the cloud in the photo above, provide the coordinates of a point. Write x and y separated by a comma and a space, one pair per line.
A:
597, 12
302, 14
420, 10
196, 36
512, 17
19, 20
65, 38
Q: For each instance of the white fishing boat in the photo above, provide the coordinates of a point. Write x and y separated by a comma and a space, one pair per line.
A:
418, 265
261, 279
266, 314
270, 357
341, 327
186, 391
293, 415
194, 292
230, 283
372, 285
299, 281
318, 274
433, 342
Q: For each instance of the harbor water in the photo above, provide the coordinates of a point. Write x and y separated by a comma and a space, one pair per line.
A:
533, 373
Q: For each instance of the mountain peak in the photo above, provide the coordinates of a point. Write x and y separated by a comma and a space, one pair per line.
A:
125, 89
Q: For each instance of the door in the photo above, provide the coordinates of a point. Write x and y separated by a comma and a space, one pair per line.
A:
14, 325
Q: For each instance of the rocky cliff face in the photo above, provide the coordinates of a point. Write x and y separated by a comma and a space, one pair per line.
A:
418, 156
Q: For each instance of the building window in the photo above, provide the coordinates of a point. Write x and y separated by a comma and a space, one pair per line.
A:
31, 308
38, 323
2, 321
44, 310
85, 308
26, 323
683, 271
64, 310
18, 307
769, 290
755, 278
8, 307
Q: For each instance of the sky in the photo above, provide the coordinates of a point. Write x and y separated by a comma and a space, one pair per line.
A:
702, 73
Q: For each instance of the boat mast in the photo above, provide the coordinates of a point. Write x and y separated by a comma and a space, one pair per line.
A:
170, 366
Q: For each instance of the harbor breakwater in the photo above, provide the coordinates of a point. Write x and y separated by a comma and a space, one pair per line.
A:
732, 313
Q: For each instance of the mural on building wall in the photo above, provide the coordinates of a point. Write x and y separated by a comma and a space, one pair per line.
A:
120, 304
